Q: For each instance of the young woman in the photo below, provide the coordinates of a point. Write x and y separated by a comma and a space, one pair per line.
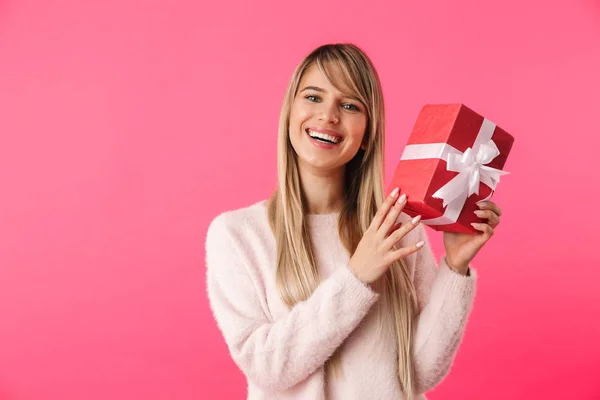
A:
326, 290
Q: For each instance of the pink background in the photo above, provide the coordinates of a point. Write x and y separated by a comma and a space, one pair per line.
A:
125, 127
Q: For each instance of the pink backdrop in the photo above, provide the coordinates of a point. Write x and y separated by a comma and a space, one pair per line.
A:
125, 127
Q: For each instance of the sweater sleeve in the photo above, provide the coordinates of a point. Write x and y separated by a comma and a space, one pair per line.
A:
446, 298
276, 355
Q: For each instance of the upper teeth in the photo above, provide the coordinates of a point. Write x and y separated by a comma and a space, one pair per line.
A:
325, 136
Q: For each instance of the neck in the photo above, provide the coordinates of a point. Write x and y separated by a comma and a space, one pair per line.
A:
323, 191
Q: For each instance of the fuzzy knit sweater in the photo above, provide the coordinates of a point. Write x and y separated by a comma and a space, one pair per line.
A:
282, 351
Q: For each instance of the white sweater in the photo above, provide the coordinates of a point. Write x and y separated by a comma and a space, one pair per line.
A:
282, 352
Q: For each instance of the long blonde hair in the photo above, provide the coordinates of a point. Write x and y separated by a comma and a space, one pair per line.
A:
347, 66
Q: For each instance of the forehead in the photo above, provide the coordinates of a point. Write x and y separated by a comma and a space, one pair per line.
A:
314, 77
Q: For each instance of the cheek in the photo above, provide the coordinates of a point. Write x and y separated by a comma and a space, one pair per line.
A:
299, 112
298, 115
357, 128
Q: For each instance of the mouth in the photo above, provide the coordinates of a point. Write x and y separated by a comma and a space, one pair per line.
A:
328, 137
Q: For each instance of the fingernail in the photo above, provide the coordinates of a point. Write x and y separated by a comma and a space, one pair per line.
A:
416, 220
420, 244
395, 192
479, 213
402, 198
474, 224
481, 203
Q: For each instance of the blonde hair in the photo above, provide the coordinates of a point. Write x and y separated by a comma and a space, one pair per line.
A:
345, 66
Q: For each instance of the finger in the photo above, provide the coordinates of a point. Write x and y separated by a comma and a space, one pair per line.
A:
406, 251
490, 205
383, 209
394, 228
401, 232
487, 230
492, 218
391, 217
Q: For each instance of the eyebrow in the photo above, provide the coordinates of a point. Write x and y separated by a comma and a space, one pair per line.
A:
318, 89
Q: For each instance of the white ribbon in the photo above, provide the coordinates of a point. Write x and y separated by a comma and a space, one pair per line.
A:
471, 168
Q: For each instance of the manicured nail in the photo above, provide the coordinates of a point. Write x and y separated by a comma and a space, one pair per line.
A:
402, 198
416, 220
395, 192
420, 244
481, 204
479, 213
475, 225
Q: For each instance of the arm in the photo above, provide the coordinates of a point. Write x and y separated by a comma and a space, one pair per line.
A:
445, 300
276, 355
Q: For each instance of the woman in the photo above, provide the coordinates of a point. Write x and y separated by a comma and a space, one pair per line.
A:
327, 290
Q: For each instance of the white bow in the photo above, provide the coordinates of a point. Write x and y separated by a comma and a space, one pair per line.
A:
472, 169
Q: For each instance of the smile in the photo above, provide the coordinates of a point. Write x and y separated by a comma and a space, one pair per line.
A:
324, 137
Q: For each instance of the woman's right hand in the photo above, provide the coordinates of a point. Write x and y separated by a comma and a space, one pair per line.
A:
375, 251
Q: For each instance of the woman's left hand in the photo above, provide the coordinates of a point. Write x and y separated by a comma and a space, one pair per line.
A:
461, 248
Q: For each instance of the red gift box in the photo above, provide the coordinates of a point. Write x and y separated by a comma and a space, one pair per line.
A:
453, 159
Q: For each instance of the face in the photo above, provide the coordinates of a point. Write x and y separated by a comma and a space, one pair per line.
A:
327, 127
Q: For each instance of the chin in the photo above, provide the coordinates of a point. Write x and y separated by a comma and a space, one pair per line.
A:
321, 163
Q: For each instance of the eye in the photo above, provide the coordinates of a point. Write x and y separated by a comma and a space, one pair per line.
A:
312, 98
351, 107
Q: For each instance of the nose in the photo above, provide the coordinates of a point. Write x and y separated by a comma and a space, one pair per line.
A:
329, 114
